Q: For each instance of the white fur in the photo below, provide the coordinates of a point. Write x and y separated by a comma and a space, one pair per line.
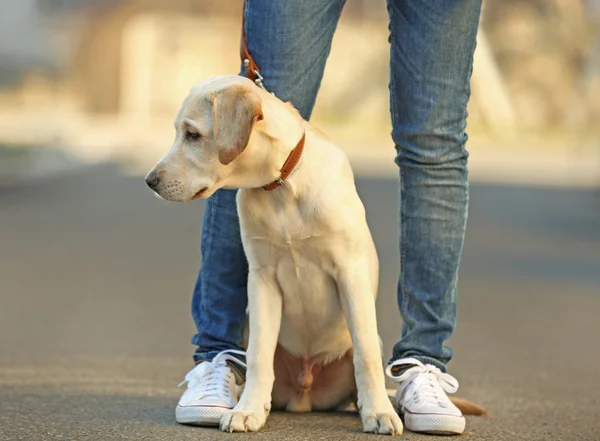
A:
313, 265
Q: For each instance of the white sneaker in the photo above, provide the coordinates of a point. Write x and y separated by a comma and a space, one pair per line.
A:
211, 391
421, 398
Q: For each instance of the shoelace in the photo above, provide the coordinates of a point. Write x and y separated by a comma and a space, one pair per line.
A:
211, 378
424, 381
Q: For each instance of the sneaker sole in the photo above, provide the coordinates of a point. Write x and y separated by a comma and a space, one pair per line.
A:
434, 424
200, 415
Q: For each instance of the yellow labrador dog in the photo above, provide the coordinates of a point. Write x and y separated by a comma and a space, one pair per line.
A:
313, 268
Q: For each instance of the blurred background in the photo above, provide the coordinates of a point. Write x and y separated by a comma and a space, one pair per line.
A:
96, 275
93, 74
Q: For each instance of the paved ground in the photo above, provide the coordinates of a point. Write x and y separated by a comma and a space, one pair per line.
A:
95, 284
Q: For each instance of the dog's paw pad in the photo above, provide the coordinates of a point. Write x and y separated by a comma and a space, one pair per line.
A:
383, 424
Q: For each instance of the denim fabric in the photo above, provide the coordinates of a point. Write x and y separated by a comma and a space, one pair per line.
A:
432, 44
219, 302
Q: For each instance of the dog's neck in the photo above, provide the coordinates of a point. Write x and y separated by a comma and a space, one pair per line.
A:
272, 140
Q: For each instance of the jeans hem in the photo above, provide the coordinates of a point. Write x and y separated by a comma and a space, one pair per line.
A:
209, 355
423, 359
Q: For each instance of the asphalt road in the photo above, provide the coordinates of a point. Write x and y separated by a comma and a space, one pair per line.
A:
95, 285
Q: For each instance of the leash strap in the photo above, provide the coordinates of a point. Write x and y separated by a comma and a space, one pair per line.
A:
253, 72
250, 67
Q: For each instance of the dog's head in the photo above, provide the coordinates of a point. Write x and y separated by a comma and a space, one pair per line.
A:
213, 127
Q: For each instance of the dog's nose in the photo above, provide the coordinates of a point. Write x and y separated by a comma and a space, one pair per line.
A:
152, 180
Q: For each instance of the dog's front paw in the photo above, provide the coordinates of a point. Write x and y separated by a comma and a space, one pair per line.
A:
244, 420
383, 421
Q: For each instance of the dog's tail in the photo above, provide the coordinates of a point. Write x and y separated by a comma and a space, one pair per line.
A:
465, 406
469, 408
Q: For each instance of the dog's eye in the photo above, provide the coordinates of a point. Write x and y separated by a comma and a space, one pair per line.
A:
192, 136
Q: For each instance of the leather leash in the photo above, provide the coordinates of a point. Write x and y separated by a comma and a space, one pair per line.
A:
253, 72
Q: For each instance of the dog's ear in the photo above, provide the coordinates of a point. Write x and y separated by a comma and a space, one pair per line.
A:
235, 110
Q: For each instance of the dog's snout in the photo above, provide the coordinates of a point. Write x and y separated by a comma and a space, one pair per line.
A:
152, 180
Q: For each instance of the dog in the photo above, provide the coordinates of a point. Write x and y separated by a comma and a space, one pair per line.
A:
313, 268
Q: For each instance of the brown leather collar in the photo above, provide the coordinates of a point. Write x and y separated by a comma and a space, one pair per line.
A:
288, 166
253, 72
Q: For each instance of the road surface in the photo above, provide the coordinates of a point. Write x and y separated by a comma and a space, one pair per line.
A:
95, 286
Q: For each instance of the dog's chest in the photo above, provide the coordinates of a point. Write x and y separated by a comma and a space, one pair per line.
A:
284, 226
292, 238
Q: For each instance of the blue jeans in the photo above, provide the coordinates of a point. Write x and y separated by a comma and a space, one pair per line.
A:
432, 45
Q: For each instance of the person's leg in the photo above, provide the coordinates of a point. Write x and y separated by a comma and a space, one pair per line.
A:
290, 42
219, 301
432, 45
